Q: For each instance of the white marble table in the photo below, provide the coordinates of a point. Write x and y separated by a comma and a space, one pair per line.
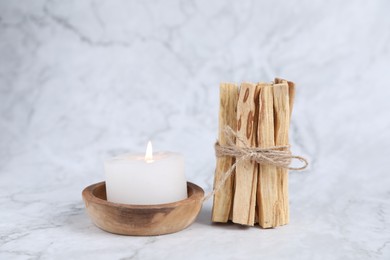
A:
83, 80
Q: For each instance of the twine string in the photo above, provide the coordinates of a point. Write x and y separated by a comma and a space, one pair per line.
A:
279, 156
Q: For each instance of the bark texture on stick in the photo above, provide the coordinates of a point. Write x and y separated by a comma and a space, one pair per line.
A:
244, 204
282, 124
223, 198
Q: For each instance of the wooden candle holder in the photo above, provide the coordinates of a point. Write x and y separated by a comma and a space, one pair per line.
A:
142, 220
260, 115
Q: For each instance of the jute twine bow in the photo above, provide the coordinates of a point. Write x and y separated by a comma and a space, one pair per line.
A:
279, 156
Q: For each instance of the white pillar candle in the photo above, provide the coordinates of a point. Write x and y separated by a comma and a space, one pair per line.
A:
144, 180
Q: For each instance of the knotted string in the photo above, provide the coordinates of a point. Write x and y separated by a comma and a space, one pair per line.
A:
279, 156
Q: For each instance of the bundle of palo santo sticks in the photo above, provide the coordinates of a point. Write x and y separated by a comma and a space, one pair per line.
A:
260, 115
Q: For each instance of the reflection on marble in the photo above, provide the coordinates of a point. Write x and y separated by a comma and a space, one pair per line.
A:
83, 80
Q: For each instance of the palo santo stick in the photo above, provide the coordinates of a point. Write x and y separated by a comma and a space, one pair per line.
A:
282, 123
267, 189
291, 91
223, 198
244, 204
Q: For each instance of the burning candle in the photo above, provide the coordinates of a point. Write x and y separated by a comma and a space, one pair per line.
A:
146, 179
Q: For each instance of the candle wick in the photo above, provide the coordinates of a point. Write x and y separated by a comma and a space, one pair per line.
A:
149, 161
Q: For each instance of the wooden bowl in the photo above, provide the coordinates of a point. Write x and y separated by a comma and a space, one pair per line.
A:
142, 220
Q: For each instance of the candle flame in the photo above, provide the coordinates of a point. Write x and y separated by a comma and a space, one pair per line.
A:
149, 153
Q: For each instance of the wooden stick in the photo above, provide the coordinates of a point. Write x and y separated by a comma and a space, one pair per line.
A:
244, 204
291, 91
282, 122
223, 199
267, 189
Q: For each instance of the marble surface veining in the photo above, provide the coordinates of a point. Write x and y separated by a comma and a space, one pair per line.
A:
84, 80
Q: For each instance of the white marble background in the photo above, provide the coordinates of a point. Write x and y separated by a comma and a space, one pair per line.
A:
83, 80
